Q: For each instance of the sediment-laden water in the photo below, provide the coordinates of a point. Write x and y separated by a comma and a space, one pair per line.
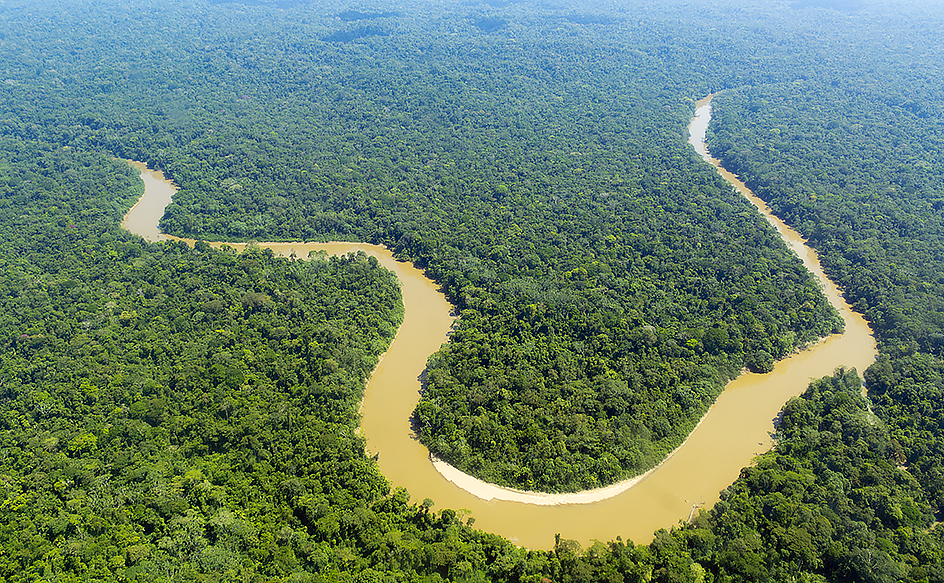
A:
734, 431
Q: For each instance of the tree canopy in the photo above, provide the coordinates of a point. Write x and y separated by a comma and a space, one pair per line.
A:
188, 414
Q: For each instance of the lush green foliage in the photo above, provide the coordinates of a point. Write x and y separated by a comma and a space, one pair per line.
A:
166, 409
831, 503
609, 283
860, 170
860, 174
855, 162
177, 414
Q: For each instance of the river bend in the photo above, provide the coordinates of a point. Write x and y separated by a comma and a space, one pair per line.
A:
731, 434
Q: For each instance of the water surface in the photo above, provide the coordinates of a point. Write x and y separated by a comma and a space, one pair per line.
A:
734, 431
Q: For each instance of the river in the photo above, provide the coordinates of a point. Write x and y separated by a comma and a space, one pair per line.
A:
734, 431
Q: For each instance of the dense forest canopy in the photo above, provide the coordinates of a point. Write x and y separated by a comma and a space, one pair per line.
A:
595, 261
170, 413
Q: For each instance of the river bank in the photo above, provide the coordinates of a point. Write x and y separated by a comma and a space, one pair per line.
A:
731, 434
487, 491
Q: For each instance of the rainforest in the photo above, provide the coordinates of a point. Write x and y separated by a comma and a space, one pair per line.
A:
172, 412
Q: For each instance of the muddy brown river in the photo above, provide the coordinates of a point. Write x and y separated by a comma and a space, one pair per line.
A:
731, 434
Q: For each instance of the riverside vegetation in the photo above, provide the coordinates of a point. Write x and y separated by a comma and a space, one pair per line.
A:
185, 414
608, 283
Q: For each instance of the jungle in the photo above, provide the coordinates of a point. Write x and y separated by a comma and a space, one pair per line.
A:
172, 413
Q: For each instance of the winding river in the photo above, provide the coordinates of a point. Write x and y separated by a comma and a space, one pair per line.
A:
731, 434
